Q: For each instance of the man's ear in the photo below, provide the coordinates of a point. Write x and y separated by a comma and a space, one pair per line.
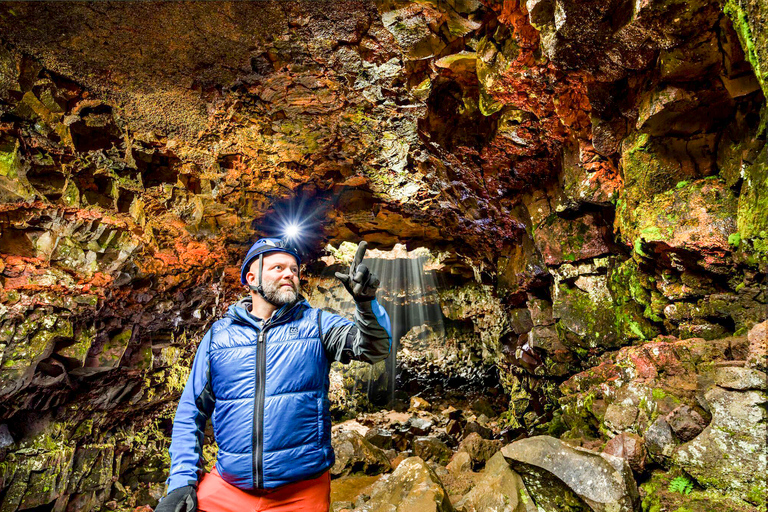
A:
250, 278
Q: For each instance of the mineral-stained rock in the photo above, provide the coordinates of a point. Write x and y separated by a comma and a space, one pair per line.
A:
629, 447
730, 454
480, 450
559, 476
499, 489
412, 486
354, 454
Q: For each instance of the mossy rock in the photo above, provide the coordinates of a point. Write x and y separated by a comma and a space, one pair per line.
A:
658, 496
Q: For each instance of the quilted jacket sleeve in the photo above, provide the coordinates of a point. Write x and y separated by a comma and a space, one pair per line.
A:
368, 339
195, 407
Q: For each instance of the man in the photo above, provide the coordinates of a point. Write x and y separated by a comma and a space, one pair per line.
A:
261, 375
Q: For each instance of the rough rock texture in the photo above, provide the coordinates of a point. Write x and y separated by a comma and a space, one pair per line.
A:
412, 486
588, 176
499, 489
354, 454
560, 477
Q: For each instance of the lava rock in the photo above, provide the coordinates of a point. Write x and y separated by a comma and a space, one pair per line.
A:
431, 449
498, 489
629, 447
474, 427
354, 454
418, 404
685, 422
741, 379
729, 455
480, 450
559, 476
758, 347
460, 463
419, 426
379, 437
660, 440
412, 486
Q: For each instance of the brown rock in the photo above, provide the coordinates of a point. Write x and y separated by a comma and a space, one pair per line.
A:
475, 427
480, 450
431, 448
629, 447
460, 463
418, 404
685, 422
758, 347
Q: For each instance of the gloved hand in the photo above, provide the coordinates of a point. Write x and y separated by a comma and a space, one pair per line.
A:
183, 499
360, 282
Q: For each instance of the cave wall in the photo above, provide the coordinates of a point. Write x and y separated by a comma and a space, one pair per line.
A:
595, 172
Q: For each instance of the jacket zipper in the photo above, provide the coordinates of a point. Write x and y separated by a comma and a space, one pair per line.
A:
258, 412
258, 409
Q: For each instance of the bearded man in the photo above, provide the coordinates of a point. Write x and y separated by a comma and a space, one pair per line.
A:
260, 375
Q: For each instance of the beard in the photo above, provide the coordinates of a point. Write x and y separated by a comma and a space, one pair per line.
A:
279, 295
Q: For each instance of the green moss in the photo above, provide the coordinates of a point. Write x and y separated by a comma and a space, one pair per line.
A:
734, 239
742, 23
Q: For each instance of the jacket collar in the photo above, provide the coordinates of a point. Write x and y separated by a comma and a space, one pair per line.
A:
240, 311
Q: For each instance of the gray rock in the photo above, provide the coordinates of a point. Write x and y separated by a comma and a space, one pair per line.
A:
730, 454
620, 417
379, 437
660, 440
741, 379
6, 439
498, 489
413, 486
559, 476
480, 450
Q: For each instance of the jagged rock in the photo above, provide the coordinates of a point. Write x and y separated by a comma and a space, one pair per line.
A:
419, 404
412, 486
461, 462
380, 438
660, 439
557, 475
430, 448
685, 422
629, 447
473, 427
354, 454
480, 450
648, 381
498, 488
729, 455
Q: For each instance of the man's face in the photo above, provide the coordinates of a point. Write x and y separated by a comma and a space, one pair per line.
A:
280, 277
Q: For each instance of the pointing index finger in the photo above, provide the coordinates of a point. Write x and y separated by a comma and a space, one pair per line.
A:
360, 253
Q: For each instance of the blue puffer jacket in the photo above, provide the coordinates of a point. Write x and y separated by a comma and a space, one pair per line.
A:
266, 392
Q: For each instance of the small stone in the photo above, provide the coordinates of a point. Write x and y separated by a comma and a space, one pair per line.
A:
473, 426
419, 404
685, 422
629, 447
419, 426
451, 413
453, 428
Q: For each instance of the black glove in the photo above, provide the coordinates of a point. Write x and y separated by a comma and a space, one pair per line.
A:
360, 282
183, 499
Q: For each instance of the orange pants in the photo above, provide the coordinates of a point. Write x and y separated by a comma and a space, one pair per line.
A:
216, 495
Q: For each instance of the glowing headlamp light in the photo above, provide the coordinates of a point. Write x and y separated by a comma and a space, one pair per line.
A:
292, 231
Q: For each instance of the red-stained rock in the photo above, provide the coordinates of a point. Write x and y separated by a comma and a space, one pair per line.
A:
630, 447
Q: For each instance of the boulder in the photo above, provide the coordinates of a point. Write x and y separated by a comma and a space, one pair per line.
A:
354, 455
431, 448
559, 476
660, 440
629, 447
413, 486
476, 428
480, 450
498, 489
730, 454
380, 438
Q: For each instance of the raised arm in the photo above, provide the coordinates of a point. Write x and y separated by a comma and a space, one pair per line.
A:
368, 339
